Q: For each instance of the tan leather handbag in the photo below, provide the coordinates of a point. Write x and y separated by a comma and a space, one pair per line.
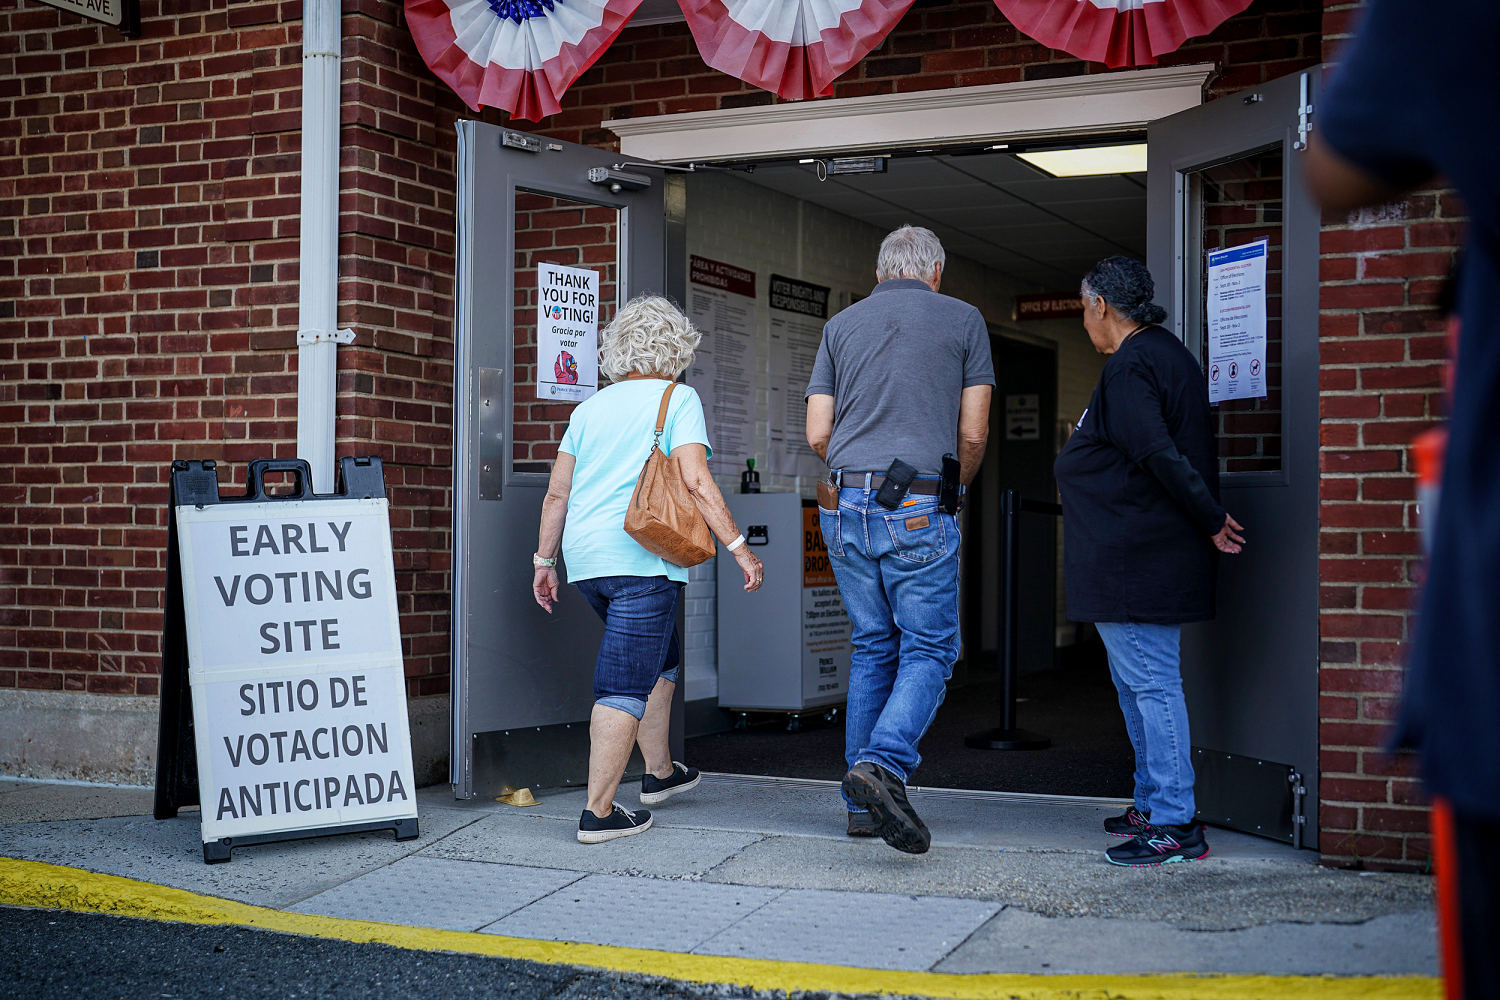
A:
662, 516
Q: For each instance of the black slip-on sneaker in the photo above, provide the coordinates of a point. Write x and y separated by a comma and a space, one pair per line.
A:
863, 824
877, 790
1129, 823
1160, 845
682, 779
620, 822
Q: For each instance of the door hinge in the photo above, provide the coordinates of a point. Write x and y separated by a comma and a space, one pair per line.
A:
1299, 808
1304, 116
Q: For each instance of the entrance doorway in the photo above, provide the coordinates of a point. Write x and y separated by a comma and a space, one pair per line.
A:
1011, 229
520, 692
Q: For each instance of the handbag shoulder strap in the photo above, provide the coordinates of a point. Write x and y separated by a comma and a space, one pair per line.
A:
661, 414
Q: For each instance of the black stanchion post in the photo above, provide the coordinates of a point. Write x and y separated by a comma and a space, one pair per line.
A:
1007, 736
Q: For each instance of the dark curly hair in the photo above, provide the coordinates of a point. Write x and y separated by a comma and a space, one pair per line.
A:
1126, 286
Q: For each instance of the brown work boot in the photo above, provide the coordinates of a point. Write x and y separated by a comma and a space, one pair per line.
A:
882, 793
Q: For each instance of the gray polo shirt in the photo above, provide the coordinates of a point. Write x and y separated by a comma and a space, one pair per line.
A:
896, 364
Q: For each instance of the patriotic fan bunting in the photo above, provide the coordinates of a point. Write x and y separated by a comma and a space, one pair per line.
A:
1118, 32
794, 48
520, 55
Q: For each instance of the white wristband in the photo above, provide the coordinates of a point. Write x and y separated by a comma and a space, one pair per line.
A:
738, 541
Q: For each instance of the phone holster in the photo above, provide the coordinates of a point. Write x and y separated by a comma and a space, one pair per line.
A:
948, 488
897, 481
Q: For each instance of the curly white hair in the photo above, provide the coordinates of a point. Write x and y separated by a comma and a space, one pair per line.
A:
649, 335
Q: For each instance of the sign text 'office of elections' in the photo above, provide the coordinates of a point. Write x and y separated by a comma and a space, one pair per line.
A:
1236, 306
567, 332
294, 651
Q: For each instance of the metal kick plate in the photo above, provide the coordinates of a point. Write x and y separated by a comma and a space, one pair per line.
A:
491, 457
1246, 794
555, 756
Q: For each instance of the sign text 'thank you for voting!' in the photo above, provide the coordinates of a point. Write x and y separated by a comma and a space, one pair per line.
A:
295, 651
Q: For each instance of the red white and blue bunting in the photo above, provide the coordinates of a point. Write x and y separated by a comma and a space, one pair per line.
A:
1118, 32
520, 55
793, 48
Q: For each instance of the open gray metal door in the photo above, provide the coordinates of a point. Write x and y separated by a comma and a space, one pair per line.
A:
522, 680
1220, 176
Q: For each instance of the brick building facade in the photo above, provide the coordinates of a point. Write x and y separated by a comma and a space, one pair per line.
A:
148, 265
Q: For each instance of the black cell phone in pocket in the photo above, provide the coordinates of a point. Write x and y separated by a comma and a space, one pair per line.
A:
897, 480
948, 488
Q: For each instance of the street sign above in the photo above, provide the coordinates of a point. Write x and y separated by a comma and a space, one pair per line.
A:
122, 14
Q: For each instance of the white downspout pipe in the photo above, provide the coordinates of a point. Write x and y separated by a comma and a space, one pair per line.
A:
318, 335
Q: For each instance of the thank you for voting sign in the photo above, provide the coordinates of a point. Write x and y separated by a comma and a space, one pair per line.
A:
567, 334
294, 648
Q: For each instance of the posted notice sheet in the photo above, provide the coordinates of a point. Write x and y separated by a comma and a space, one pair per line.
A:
721, 304
1237, 322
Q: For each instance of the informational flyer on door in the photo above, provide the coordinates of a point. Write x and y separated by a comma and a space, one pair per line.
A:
798, 310
1237, 322
299, 695
721, 304
826, 630
567, 332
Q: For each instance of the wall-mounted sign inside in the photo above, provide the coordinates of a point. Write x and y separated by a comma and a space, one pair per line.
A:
122, 14
1049, 305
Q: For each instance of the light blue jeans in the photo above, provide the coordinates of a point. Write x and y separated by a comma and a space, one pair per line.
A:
898, 573
1145, 662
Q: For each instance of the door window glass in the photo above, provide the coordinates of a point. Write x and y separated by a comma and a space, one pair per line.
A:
577, 234
1239, 202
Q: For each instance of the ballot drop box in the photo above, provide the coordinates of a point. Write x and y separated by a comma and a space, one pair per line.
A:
786, 646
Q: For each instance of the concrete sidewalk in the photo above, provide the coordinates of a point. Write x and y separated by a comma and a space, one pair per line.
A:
760, 869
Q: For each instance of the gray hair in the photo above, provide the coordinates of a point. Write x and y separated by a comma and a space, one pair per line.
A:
1126, 287
909, 252
650, 335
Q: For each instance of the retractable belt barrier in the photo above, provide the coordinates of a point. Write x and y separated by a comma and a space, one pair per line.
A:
283, 698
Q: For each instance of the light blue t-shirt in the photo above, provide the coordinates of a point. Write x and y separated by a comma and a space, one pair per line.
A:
610, 436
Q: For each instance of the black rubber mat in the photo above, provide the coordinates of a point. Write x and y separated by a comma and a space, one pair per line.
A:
1074, 705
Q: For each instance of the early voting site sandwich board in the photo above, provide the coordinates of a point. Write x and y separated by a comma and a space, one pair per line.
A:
283, 709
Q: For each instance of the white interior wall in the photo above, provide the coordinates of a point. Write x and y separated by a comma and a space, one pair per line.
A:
732, 220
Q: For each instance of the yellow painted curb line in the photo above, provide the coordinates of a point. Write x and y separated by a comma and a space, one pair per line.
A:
35, 884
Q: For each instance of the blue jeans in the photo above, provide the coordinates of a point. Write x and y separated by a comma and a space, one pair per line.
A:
640, 637
898, 573
1145, 662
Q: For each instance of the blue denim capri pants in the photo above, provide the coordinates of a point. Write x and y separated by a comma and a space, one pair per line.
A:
640, 642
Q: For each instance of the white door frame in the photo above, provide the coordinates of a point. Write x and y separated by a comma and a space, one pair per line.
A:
1080, 105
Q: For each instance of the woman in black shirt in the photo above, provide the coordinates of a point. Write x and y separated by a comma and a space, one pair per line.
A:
1142, 526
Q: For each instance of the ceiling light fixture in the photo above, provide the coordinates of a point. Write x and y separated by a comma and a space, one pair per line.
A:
1090, 161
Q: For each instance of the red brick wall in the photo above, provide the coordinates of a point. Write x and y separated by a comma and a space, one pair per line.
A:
148, 266
1382, 352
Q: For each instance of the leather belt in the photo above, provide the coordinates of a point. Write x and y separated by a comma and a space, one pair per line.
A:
841, 478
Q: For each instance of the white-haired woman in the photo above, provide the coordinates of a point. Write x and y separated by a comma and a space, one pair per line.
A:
642, 351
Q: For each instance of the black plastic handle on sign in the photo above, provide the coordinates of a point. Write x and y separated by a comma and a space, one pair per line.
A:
255, 485
756, 534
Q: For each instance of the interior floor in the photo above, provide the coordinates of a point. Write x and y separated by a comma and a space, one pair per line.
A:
1072, 704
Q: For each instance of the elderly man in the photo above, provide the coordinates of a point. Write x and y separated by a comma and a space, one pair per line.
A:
902, 382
